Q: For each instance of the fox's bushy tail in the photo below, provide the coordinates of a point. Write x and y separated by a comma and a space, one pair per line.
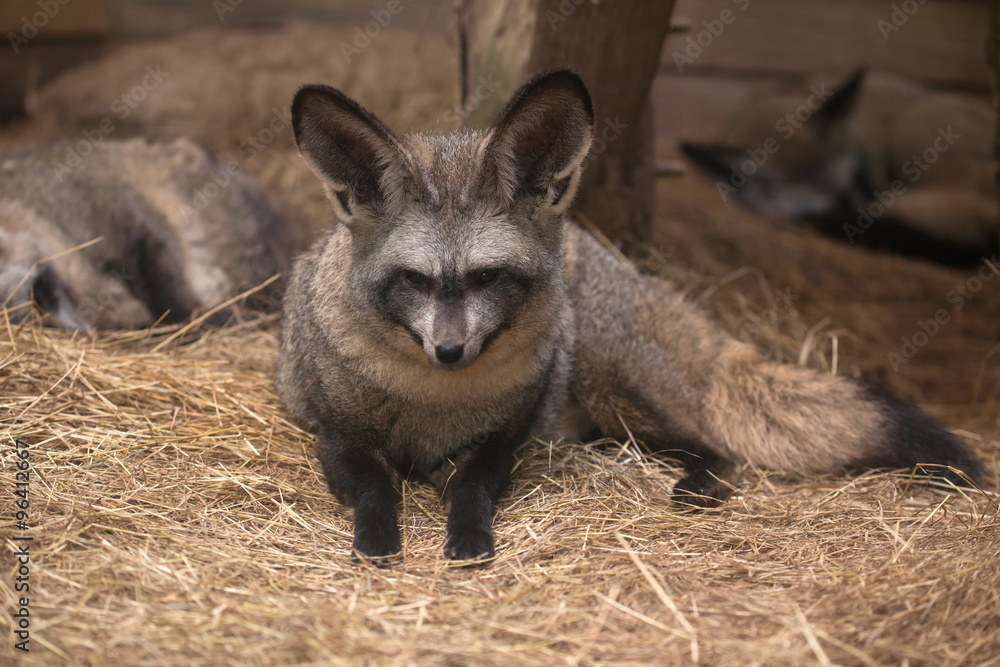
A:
792, 418
650, 364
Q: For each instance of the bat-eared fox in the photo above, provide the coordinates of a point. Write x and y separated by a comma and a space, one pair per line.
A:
878, 161
454, 313
175, 231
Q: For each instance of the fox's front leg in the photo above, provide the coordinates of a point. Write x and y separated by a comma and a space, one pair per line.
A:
360, 477
473, 492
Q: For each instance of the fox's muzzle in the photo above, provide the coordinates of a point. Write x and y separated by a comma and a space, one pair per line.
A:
450, 355
448, 345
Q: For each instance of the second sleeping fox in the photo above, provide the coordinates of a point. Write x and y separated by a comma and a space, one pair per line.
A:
454, 314
151, 250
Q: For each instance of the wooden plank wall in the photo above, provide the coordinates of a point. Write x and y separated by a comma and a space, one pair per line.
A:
43, 37
82, 29
146, 18
759, 43
767, 43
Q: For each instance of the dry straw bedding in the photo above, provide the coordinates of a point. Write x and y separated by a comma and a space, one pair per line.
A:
180, 518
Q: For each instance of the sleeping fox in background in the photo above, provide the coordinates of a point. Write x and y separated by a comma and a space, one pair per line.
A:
883, 162
177, 233
455, 312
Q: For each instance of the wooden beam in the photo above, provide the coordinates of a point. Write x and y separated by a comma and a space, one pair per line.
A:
938, 42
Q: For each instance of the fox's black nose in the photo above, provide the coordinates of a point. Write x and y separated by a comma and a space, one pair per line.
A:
449, 353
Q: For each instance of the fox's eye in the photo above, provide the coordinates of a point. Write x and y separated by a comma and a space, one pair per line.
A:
487, 276
416, 279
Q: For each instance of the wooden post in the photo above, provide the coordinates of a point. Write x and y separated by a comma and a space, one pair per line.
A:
993, 55
615, 47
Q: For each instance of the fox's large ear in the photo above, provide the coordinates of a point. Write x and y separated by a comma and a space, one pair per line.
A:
50, 292
360, 161
538, 142
838, 106
714, 160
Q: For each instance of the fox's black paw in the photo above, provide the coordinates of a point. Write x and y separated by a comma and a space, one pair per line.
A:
701, 490
470, 544
377, 545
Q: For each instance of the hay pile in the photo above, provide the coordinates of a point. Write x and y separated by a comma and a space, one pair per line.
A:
179, 518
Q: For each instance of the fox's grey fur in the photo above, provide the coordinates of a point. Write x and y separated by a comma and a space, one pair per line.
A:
172, 239
454, 313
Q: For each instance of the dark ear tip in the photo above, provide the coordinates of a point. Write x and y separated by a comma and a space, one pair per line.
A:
857, 76
304, 93
565, 79
303, 97
692, 150
318, 89
843, 99
714, 158
697, 150
312, 102
849, 87
313, 93
559, 76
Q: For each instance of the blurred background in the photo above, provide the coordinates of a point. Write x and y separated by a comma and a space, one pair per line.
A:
83, 30
685, 93
943, 44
